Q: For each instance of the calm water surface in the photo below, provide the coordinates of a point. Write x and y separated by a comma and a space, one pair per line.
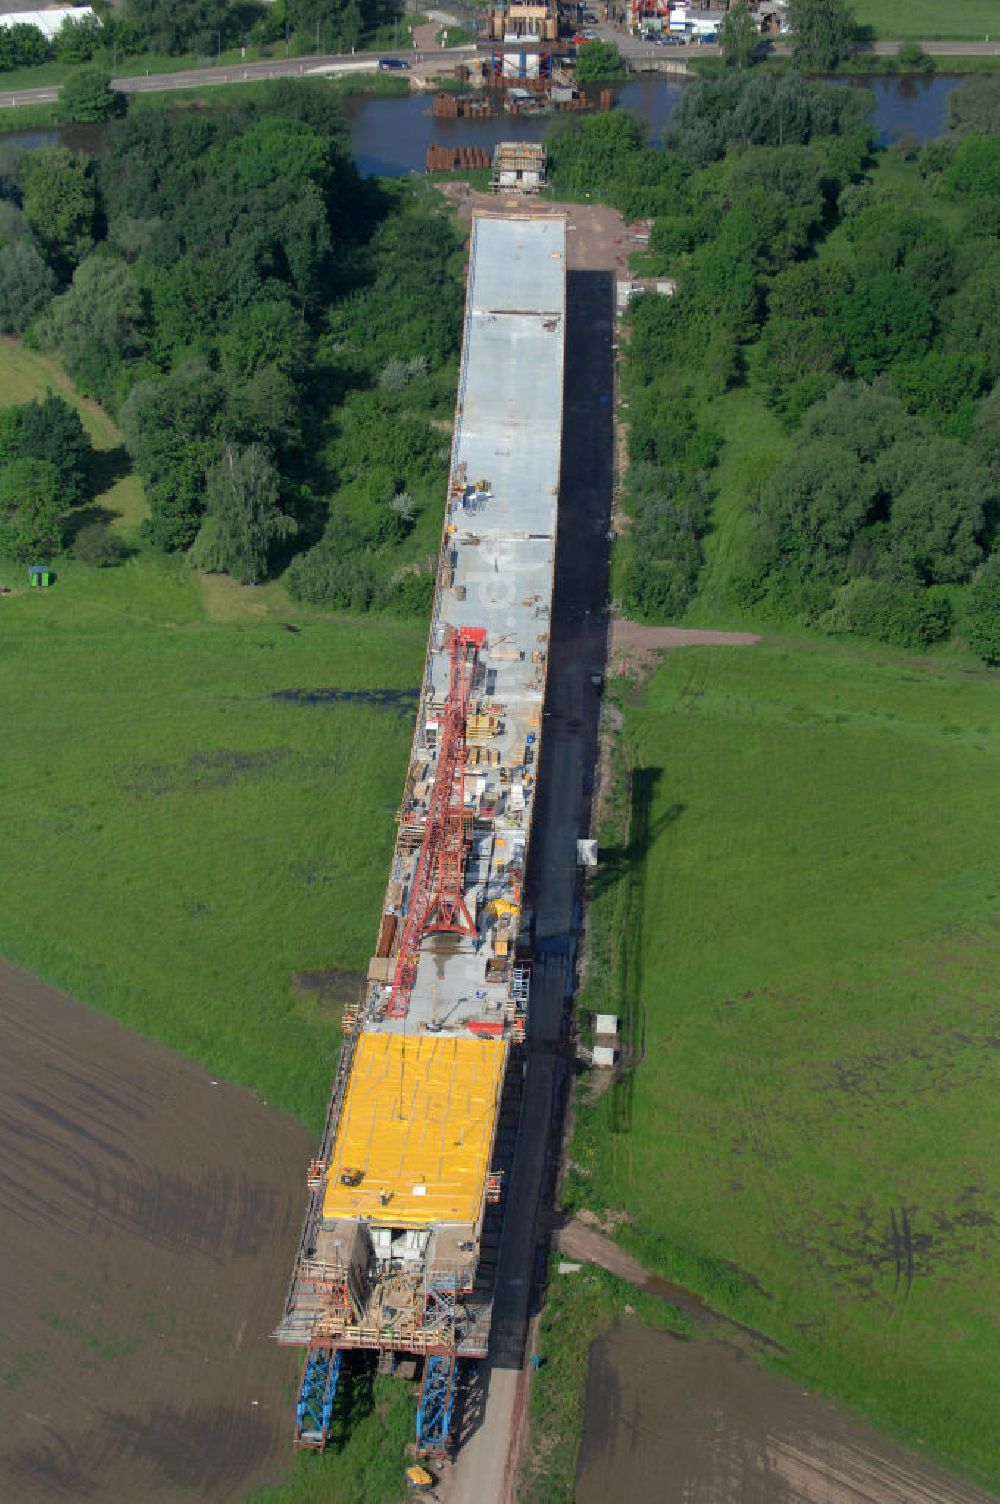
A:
390, 137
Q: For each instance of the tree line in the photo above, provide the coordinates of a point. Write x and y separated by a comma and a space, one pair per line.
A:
867, 319
274, 336
200, 28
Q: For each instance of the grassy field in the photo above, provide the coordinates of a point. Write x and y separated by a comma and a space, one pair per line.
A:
184, 840
802, 930
927, 21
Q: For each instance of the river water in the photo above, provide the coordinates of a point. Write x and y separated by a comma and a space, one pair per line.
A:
390, 137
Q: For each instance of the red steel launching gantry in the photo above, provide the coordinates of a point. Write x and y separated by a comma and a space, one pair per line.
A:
436, 898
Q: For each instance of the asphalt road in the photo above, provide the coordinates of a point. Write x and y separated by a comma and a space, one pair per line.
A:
635, 50
330, 64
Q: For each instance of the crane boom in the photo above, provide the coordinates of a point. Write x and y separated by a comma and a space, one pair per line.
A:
436, 898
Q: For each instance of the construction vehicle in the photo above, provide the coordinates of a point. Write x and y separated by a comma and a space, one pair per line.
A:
419, 1479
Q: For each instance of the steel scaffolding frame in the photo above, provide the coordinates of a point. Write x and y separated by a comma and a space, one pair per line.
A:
316, 1396
436, 1404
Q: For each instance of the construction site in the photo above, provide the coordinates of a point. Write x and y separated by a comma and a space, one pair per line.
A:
398, 1252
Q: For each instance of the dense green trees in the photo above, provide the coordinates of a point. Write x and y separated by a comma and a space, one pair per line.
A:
596, 61
86, 94
606, 156
739, 36
175, 427
974, 105
272, 334
823, 32
869, 320
867, 491
50, 431
27, 283
244, 519
22, 46
44, 470
97, 325
179, 25
199, 27
77, 41
765, 109
30, 511
982, 614
60, 204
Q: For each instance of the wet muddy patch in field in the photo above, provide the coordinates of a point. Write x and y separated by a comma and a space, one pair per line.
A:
330, 985
403, 701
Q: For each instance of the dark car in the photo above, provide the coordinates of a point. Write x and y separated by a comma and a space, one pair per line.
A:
393, 64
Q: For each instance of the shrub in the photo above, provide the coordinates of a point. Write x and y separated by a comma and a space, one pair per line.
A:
982, 614
598, 60
890, 612
911, 58
87, 95
96, 544
325, 576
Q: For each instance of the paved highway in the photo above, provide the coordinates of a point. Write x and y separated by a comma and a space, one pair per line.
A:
323, 65
635, 50
332, 64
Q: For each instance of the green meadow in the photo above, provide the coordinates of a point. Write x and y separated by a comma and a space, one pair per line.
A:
183, 841
798, 918
926, 21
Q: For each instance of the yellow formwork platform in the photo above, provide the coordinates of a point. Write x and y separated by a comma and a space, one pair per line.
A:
417, 1121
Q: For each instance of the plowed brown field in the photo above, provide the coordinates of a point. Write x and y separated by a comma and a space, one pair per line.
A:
699, 1422
148, 1217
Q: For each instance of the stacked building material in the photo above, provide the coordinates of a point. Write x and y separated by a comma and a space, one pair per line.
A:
456, 158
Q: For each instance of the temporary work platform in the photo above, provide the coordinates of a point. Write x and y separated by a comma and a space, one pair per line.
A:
419, 1116
518, 165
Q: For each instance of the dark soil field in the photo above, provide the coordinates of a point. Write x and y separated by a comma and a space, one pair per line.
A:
149, 1216
699, 1422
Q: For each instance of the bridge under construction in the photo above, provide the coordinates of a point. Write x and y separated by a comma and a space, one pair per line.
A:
398, 1249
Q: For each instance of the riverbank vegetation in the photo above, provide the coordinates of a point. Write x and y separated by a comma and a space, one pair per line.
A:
851, 296
287, 404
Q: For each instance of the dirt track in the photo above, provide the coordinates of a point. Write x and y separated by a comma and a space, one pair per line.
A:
149, 1218
634, 637
699, 1422
598, 239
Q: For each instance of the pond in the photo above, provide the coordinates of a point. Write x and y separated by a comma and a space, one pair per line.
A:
390, 137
